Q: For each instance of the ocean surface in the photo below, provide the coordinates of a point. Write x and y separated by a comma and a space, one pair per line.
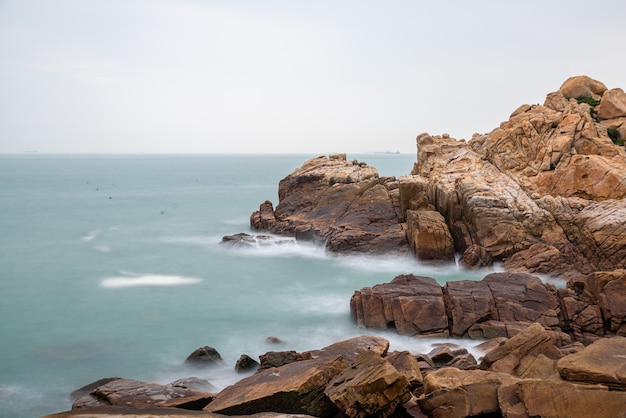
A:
111, 265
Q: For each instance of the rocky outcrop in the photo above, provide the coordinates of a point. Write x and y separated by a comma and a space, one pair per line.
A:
343, 204
500, 305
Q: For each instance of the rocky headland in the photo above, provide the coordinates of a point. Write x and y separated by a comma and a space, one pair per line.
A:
542, 195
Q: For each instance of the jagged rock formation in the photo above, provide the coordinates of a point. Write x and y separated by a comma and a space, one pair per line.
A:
500, 305
344, 204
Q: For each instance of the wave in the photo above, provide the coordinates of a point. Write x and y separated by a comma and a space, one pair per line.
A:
147, 280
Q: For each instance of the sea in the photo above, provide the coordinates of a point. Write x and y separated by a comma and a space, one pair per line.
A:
112, 266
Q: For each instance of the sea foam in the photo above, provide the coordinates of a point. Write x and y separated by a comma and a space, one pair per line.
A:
147, 280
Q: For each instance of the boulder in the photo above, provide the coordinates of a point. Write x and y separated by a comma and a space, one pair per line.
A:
559, 399
246, 240
468, 302
608, 289
453, 393
195, 383
344, 204
603, 362
371, 386
443, 353
412, 304
294, 388
246, 363
529, 354
582, 86
278, 358
612, 105
138, 394
406, 363
204, 356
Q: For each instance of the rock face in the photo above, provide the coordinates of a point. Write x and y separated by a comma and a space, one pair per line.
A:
543, 192
344, 204
500, 305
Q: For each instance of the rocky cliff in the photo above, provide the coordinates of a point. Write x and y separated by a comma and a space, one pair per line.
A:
543, 192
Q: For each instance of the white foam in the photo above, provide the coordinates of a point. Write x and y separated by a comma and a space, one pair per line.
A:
147, 280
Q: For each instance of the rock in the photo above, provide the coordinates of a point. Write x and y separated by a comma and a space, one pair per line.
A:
126, 412
465, 361
137, 394
429, 236
468, 302
195, 383
582, 86
85, 390
204, 356
246, 363
349, 349
246, 240
295, 388
452, 393
612, 105
371, 386
529, 354
559, 399
298, 385
443, 353
608, 289
345, 205
604, 362
412, 304
277, 358
407, 364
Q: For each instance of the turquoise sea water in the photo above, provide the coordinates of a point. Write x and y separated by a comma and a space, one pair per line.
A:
110, 265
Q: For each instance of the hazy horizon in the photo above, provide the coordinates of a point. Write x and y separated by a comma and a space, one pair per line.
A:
214, 77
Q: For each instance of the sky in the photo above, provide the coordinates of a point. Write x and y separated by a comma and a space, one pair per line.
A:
191, 76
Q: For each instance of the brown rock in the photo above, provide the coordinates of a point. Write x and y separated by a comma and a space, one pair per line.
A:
443, 353
468, 302
246, 363
344, 204
612, 105
277, 358
349, 349
295, 388
604, 361
528, 354
582, 86
429, 236
608, 289
370, 386
205, 356
412, 304
559, 399
452, 393
407, 364
137, 394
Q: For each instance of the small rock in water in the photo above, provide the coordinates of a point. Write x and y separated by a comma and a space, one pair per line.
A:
246, 363
206, 356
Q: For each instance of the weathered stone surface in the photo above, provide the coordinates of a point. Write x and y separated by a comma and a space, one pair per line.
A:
604, 362
528, 354
246, 240
452, 393
429, 236
349, 349
137, 394
204, 356
613, 104
559, 399
195, 383
85, 390
608, 289
412, 304
582, 86
442, 353
278, 358
370, 386
344, 204
407, 364
296, 388
468, 302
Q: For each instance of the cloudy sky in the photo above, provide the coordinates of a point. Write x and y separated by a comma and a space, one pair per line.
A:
192, 76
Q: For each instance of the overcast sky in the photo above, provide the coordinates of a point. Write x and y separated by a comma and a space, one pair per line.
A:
189, 76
